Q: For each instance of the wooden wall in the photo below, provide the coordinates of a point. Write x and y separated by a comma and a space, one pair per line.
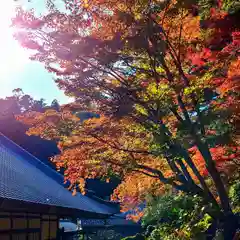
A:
27, 226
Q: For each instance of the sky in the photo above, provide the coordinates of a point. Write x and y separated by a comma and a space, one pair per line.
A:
16, 70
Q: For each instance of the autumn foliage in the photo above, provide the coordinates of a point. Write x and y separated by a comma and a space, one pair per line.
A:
165, 83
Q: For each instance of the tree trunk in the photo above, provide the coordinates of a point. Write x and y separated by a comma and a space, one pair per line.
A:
208, 194
215, 175
230, 227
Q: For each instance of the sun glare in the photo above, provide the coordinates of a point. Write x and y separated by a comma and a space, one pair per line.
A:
12, 56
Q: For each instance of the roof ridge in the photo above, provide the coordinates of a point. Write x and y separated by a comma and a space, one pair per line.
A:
24, 151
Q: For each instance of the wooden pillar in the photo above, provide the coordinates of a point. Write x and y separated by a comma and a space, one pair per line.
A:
11, 226
40, 227
27, 234
49, 226
58, 230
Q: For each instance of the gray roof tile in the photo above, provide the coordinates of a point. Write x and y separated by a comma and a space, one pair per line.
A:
25, 178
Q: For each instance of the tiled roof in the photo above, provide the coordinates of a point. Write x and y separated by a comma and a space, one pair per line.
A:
23, 177
116, 221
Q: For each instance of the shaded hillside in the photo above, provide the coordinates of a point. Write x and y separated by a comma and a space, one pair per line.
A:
40, 148
14, 130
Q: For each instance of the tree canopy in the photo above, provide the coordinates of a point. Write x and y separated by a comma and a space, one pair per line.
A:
162, 75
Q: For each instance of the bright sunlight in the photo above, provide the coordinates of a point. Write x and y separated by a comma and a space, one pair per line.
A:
12, 56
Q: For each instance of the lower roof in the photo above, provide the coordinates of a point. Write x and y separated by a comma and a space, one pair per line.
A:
26, 179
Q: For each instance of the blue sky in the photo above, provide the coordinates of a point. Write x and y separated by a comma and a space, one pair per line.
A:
34, 80
16, 70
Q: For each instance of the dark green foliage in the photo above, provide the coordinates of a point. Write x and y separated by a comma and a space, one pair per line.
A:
204, 8
169, 209
231, 6
234, 193
182, 217
176, 217
55, 105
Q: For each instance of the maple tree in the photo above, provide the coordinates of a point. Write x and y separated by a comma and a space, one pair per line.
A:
166, 87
